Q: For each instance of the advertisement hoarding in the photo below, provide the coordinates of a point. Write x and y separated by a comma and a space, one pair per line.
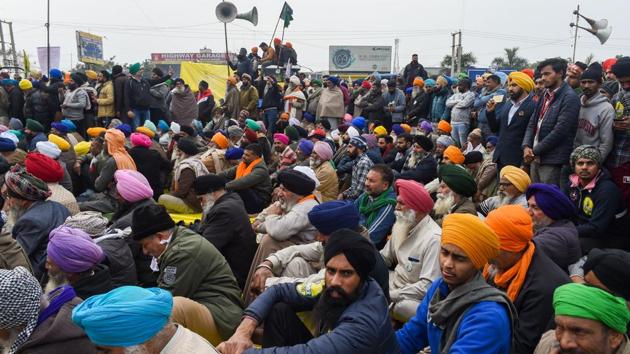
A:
90, 48
354, 58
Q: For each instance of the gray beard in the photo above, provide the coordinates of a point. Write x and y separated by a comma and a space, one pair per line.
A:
443, 204
206, 209
136, 349
55, 281
314, 163
14, 214
504, 199
286, 206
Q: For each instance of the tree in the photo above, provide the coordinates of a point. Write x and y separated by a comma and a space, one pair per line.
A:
468, 60
511, 60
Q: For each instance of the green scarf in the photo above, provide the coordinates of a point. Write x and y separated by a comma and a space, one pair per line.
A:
371, 209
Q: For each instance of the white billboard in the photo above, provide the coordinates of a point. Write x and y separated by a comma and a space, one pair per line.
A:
359, 58
42, 58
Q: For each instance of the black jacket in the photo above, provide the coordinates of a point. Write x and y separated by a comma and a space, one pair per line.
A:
413, 70
508, 150
137, 95
424, 172
98, 283
119, 81
119, 260
16, 104
228, 228
419, 106
272, 98
152, 166
373, 106
558, 128
243, 66
54, 105
560, 242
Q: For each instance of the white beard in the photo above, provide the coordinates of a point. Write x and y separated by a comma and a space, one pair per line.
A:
405, 221
206, 208
443, 204
286, 206
314, 163
504, 199
54, 281
136, 349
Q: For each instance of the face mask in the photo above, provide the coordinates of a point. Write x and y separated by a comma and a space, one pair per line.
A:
154, 262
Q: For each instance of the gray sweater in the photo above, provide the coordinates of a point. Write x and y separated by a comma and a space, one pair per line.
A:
75, 103
461, 105
595, 124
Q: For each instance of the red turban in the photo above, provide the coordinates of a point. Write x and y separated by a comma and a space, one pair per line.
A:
414, 195
43, 167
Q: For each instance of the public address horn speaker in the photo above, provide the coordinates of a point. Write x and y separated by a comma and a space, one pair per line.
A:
226, 12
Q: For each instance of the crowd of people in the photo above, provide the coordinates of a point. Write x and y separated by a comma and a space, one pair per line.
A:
423, 214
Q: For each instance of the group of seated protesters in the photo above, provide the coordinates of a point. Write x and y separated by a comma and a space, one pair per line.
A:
309, 237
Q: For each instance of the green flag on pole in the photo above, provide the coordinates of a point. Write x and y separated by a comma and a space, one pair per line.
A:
286, 14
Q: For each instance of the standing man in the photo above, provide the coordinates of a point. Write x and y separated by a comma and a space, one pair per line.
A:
492, 88
105, 98
510, 120
248, 97
413, 70
549, 137
596, 114
461, 104
393, 105
232, 99
137, 96
330, 105
618, 162
119, 79
76, 101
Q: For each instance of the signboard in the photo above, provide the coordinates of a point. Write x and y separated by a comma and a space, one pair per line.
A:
474, 73
176, 58
359, 58
42, 58
90, 48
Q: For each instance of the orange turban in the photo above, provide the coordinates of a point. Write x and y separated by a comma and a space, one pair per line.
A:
406, 128
513, 226
96, 131
445, 126
469, 233
454, 154
418, 82
220, 140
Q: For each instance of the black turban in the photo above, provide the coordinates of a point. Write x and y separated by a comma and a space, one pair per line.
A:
358, 250
187, 146
612, 268
621, 67
296, 182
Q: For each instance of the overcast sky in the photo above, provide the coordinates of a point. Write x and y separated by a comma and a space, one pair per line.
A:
135, 28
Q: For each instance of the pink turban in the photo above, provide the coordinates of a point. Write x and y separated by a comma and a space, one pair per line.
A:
414, 195
323, 150
132, 185
139, 139
347, 118
73, 250
283, 138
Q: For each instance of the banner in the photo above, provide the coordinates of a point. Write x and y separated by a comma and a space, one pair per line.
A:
359, 58
176, 58
214, 74
90, 48
42, 58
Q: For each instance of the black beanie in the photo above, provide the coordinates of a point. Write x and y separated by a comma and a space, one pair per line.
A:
187, 146
157, 71
612, 268
188, 130
621, 67
473, 157
77, 79
358, 250
593, 72
148, 220
106, 74
116, 69
208, 184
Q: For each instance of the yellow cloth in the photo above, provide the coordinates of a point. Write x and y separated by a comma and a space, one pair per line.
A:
82, 148
214, 74
522, 80
188, 219
95, 131
472, 235
59, 141
380, 130
445, 126
519, 178
146, 131
454, 154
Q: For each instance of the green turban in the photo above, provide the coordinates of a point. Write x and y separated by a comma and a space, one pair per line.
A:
458, 180
292, 133
34, 126
251, 124
134, 68
583, 301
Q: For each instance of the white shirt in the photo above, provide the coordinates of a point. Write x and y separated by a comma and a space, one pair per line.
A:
514, 108
185, 341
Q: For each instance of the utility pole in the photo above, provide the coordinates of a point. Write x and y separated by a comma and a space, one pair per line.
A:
577, 19
10, 51
456, 52
453, 54
459, 53
48, 38
396, 66
4, 48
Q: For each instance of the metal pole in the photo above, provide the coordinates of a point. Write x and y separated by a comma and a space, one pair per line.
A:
227, 56
15, 61
577, 19
459, 53
274, 30
453, 54
4, 53
48, 37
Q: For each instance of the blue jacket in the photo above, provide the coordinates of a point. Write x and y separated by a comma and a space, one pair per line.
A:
558, 129
484, 97
485, 328
381, 225
36, 139
438, 105
364, 327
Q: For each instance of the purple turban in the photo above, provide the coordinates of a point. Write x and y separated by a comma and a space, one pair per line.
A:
426, 126
551, 201
306, 146
132, 185
73, 250
371, 140
398, 129
323, 150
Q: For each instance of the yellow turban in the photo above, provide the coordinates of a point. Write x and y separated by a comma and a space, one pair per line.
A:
59, 141
96, 131
380, 130
472, 235
406, 128
516, 176
146, 131
441, 80
91, 74
82, 148
522, 80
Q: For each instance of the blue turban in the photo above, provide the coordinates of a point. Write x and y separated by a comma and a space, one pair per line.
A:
429, 83
306, 146
409, 90
62, 128
551, 201
7, 144
125, 316
56, 74
164, 126
396, 128
503, 76
70, 126
9, 82
334, 80
125, 128
234, 153
359, 123
309, 117
492, 139
331, 216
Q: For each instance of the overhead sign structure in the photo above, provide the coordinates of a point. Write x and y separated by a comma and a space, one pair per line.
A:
359, 58
90, 48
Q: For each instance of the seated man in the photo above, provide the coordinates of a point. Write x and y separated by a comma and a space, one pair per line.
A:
525, 273
608, 270
35, 323
182, 198
484, 171
461, 313
283, 156
554, 233
376, 204
74, 258
512, 185
140, 320
412, 251
454, 192
305, 263
207, 297
324, 170
226, 225
54, 152
31, 214
602, 220
420, 165
349, 309
132, 192
285, 222
214, 157
588, 320
250, 180
51, 172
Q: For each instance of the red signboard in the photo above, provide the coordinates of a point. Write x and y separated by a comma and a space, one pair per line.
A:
194, 57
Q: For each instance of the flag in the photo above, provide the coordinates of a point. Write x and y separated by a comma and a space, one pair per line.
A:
27, 63
286, 14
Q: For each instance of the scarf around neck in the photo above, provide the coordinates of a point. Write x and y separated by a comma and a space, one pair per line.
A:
243, 170
512, 280
57, 298
371, 208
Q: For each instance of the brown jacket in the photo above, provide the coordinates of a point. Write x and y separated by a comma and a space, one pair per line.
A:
185, 189
11, 253
328, 181
248, 99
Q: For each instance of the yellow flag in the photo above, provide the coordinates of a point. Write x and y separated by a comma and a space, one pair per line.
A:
27, 63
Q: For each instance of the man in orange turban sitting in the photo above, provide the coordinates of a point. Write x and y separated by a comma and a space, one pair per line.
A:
525, 273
